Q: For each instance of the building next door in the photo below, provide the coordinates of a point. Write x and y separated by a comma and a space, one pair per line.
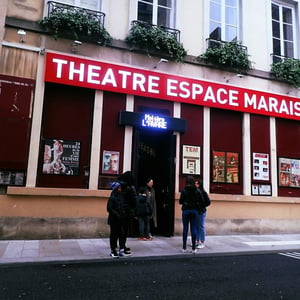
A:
154, 156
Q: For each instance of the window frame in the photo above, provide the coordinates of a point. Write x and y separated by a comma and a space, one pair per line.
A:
293, 5
134, 12
223, 23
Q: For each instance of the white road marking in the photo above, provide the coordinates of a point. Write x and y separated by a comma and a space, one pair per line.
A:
291, 254
272, 243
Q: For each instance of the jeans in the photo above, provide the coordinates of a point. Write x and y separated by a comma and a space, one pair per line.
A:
189, 217
201, 232
144, 226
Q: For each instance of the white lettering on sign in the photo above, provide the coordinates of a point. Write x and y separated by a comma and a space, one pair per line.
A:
124, 79
154, 121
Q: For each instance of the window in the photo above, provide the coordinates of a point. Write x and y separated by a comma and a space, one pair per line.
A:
283, 31
89, 4
157, 12
223, 20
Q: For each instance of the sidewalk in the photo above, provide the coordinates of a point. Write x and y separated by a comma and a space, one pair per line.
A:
71, 250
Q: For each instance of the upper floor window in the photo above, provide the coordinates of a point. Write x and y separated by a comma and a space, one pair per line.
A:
224, 20
88, 4
283, 31
157, 12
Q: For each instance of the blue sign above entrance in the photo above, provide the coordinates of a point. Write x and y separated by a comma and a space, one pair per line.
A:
152, 121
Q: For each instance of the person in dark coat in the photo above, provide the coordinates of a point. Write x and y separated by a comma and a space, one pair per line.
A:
143, 212
189, 199
117, 219
130, 199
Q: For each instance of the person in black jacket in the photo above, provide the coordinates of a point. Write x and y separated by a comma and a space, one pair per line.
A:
189, 199
117, 219
143, 212
130, 199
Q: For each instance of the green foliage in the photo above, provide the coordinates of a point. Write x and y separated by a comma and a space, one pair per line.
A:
155, 38
231, 55
76, 23
287, 70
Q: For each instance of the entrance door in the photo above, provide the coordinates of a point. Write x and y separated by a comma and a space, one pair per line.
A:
154, 157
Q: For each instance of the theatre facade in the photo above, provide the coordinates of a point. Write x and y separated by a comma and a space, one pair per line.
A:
73, 119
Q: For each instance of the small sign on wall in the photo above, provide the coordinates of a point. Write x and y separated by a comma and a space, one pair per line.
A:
191, 159
261, 189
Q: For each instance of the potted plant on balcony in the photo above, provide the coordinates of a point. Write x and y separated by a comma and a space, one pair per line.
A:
227, 54
287, 70
156, 39
76, 23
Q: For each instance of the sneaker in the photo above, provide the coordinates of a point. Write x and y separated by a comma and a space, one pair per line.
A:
200, 246
194, 251
148, 238
114, 254
125, 252
184, 250
142, 238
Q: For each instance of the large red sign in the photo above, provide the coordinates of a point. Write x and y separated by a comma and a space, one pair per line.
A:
100, 75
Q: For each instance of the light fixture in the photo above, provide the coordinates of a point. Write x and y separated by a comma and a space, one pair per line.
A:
239, 75
75, 44
21, 34
162, 60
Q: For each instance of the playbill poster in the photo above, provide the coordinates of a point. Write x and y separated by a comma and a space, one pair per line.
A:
111, 161
289, 172
261, 167
61, 157
190, 160
225, 167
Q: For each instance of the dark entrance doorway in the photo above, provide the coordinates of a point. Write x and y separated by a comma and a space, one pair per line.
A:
154, 157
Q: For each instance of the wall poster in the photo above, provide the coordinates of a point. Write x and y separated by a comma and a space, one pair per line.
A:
225, 167
289, 172
191, 160
110, 161
261, 166
61, 157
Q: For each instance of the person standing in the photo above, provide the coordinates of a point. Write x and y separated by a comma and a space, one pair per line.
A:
189, 199
130, 199
143, 212
201, 217
116, 219
152, 200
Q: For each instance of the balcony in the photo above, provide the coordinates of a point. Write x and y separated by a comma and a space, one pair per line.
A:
75, 22
232, 55
286, 69
156, 39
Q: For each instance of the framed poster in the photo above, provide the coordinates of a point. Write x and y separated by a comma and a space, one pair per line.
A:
61, 157
218, 166
261, 168
191, 159
289, 172
110, 162
225, 167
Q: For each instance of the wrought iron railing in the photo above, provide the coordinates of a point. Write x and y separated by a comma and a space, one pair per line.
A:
217, 43
54, 6
168, 30
279, 58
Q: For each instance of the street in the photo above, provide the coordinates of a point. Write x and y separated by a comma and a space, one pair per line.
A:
248, 276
